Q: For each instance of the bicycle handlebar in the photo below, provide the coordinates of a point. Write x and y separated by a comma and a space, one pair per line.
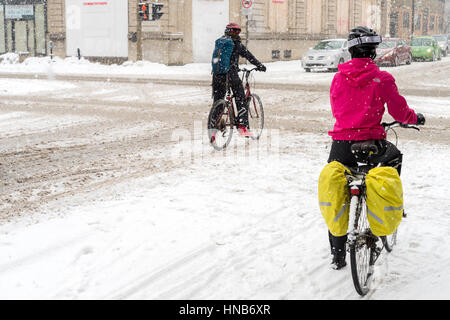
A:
247, 70
246, 73
398, 124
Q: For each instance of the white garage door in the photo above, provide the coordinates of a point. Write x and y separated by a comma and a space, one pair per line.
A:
98, 28
209, 18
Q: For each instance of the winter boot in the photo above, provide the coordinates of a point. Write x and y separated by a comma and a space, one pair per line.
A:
338, 251
338, 261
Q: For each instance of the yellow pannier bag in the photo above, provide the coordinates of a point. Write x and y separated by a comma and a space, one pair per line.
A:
334, 197
384, 200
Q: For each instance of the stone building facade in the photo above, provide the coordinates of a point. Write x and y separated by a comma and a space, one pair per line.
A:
273, 29
429, 18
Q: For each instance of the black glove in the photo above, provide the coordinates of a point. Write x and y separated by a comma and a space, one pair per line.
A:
420, 119
261, 67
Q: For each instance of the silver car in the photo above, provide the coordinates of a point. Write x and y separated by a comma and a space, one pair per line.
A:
442, 40
326, 54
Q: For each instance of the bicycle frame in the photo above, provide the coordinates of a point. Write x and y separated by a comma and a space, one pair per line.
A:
248, 91
356, 183
247, 84
230, 97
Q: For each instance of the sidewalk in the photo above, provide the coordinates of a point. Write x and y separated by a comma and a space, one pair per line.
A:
282, 75
278, 74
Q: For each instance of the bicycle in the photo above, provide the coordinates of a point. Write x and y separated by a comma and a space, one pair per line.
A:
362, 243
222, 116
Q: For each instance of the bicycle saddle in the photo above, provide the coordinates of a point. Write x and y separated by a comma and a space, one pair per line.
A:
364, 150
375, 151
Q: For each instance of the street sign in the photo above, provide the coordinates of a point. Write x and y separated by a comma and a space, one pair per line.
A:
156, 8
25, 11
246, 7
247, 3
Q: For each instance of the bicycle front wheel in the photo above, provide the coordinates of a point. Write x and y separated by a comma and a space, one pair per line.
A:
256, 116
220, 124
389, 241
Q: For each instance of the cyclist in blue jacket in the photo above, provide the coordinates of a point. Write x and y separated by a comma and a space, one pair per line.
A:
219, 81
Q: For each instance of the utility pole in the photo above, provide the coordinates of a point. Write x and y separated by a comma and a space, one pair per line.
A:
246, 31
413, 18
246, 10
138, 32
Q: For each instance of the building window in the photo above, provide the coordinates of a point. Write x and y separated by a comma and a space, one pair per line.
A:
3, 48
39, 25
393, 24
406, 20
432, 22
22, 27
417, 24
275, 54
425, 24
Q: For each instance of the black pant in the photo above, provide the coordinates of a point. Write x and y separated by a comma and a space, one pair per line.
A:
388, 154
219, 85
340, 151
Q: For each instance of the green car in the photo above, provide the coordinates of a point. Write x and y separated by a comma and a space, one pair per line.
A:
425, 48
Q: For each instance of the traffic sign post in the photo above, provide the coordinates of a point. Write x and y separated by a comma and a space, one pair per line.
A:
246, 11
247, 6
143, 14
139, 31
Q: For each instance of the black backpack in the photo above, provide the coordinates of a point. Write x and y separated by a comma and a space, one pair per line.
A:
221, 59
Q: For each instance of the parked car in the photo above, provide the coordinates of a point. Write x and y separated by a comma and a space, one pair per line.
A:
393, 52
326, 54
425, 48
443, 40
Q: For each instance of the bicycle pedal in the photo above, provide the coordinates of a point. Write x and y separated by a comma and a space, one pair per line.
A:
221, 125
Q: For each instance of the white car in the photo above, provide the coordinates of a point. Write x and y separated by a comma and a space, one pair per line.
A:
326, 54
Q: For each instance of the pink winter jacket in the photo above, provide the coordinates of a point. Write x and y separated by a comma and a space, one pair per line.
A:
358, 94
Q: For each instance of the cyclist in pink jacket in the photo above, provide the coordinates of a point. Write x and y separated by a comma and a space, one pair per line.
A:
358, 95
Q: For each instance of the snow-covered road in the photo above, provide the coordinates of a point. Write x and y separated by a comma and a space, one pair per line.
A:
112, 192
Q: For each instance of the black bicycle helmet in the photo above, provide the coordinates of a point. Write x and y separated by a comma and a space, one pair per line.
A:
363, 42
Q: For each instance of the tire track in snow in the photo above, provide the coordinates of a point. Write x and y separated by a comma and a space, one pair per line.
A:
143, 281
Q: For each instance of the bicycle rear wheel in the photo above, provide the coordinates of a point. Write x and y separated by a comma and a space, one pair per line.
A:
361, 261
220, 124
362, 252
256, 116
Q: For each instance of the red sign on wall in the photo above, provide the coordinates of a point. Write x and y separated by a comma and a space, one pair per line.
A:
247, 3
103, 3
